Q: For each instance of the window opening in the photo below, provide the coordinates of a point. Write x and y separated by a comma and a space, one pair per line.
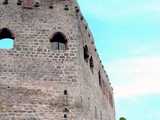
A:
5, 2
6, 39
86, 53
91, 63
100, 79
58, 41
19, 2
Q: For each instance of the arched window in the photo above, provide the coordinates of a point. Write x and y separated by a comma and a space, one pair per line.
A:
59, 41
6, 33
86, 53
6, 38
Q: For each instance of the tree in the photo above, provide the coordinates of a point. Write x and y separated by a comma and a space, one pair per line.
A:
122, 118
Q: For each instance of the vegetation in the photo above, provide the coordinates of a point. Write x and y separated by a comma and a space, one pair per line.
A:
122, 118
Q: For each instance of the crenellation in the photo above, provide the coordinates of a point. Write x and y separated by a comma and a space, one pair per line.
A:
84, 25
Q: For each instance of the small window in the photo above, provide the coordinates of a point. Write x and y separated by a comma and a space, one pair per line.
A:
37, 4
6, 39
5, 2
58, 41
77, 9
100, 79
86, 53
65, 115
6, 33
65, 92
66, 110
66, 8
91, 63
19, 2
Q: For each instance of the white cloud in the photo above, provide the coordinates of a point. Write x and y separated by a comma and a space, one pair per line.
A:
135, 76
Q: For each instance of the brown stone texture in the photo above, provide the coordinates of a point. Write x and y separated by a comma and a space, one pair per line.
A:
38, 83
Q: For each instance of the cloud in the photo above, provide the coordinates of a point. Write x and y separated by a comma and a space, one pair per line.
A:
135, 76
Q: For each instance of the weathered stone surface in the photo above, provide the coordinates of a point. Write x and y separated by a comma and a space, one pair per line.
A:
39, 83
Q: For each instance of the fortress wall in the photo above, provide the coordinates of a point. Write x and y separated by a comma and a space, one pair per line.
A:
39, 83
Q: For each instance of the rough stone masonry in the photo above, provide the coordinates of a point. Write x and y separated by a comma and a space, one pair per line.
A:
53, 71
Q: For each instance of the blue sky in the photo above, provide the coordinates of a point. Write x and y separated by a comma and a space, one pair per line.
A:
127, 35
6, 43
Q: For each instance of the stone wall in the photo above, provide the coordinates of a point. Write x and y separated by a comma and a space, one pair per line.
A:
38, 83
99, 103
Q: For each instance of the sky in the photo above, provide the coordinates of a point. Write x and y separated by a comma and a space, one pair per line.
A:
6, 43
127, 36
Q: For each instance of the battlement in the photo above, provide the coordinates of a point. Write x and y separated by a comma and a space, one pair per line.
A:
89, 39
32, 4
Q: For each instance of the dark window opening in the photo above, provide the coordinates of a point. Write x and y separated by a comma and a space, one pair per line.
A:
19, 2
77, 9
86, 53
66, 8
86, 27
65, 115
65, 110
58, 41
6, 39
5, 2
37, 4
82, 18
6, 33
91, 63
65, 92
100, 79
51, 6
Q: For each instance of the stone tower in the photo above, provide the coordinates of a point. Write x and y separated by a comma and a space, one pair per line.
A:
52, 71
